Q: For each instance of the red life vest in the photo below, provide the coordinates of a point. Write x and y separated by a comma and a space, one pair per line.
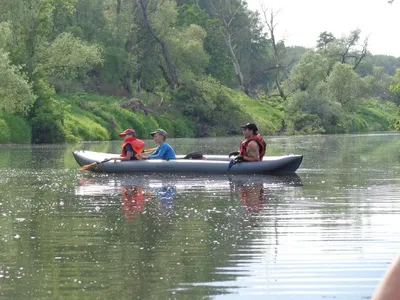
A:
261, 145
136, 144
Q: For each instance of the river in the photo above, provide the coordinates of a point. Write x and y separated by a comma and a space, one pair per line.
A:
328, 232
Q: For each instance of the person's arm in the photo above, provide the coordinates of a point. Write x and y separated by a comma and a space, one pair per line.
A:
253, 152
129, 154
142, 157
389, 287
160, 153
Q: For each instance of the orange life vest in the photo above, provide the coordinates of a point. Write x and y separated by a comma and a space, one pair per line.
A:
136, 144
261, 145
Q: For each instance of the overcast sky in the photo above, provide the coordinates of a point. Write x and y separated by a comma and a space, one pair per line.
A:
301, 21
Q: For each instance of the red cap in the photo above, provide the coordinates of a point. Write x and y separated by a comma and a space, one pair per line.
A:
128, 131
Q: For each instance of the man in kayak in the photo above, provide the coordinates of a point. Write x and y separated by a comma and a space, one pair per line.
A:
253, 147
164, 150
131, 147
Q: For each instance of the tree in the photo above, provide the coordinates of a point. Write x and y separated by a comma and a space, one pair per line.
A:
324, 39
395, 88
346, 86
346, 50
67, 57
379, 82
278, 54
220, 63
16, 93
312, 111
169, 74
309, 72
227, 11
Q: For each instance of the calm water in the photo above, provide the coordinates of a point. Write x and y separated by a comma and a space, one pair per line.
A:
327, 233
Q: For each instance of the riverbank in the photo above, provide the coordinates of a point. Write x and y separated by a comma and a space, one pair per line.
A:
93, 117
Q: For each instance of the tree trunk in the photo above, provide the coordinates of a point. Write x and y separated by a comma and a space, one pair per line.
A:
173, 78
119, 4
277, 59
226, 33
278, 85
165, 75
236, 64
127, 82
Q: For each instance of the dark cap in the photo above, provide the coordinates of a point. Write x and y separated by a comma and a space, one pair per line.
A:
160, 132
127, 131
250, 126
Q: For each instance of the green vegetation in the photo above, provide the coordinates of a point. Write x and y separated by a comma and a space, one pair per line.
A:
85, 69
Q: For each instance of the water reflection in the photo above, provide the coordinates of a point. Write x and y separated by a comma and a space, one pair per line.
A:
190, 236
253, 197
329, 235
136, 191
134, 196
133, 201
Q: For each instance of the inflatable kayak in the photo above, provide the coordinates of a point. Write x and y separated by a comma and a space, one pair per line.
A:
211, 164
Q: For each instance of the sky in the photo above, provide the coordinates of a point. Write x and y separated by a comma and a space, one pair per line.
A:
299, 22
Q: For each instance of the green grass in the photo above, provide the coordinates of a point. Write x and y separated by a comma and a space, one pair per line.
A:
93, 117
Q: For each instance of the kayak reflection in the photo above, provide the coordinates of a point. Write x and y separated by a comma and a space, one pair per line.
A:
158, 192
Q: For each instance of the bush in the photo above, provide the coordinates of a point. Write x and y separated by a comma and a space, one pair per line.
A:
4, 132
210, 104
14, 129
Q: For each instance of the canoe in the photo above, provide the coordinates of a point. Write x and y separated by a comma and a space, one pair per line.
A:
212, 164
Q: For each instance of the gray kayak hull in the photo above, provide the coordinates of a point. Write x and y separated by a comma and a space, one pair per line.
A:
212, 164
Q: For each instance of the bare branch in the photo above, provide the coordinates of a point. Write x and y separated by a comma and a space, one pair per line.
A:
363, 53
277, 61
225, 29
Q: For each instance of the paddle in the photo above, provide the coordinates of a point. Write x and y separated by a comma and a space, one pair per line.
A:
149, 150
88, 166
85, 167
234, 161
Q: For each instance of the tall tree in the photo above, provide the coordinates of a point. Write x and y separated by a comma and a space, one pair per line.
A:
170, 74
346, 50
346, 86
220, 64
309, 72
227, 11
278, 52
324, 39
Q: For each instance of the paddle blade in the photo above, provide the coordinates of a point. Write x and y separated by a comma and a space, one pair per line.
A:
149, 150
231, 163
85, 167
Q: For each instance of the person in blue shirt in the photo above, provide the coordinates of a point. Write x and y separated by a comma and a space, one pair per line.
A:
164, 151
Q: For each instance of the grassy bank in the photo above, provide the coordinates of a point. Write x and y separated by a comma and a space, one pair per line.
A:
92, 117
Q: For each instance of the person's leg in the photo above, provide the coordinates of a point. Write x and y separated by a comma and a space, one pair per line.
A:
389, 287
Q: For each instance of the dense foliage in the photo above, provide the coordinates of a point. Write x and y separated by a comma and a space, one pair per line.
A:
195, 67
